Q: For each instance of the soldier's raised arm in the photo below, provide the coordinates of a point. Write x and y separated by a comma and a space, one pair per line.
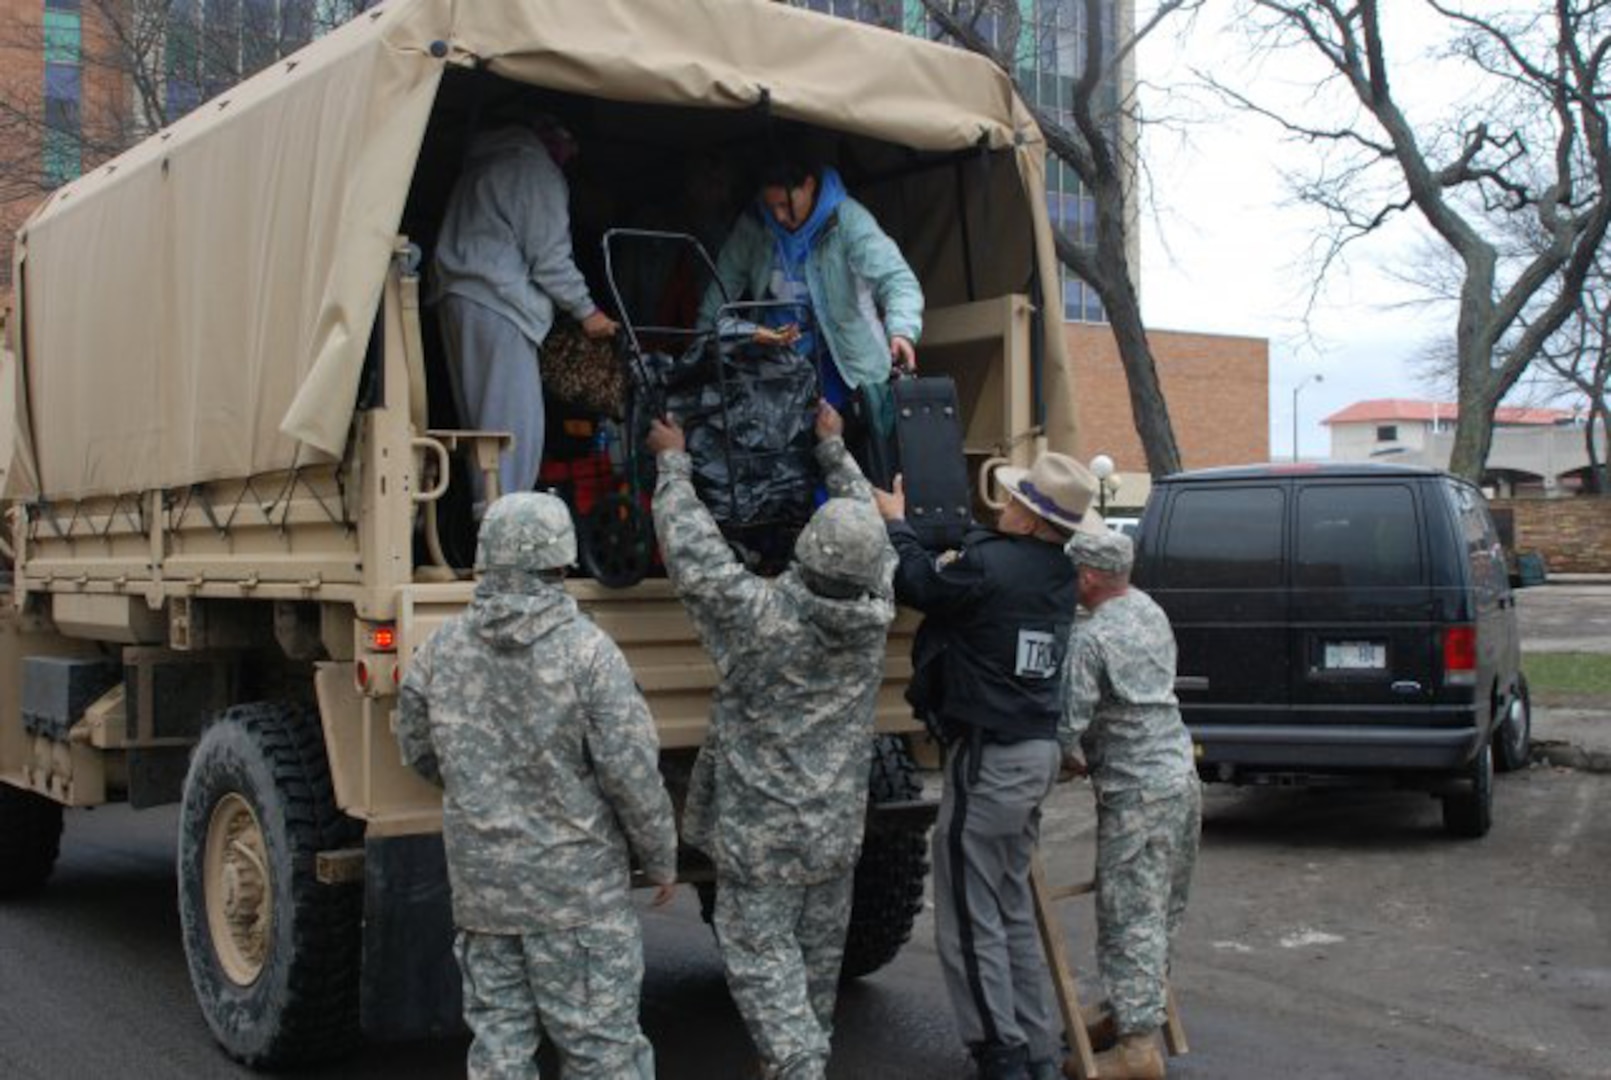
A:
708, 577
841, 474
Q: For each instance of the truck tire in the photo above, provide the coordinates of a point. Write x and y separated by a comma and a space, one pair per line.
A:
1513, 738
30, 839
1469, 814
894, 863
273, 954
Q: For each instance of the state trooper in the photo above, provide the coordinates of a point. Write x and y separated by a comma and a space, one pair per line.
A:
987, 678
528, 717
1121, 724
779, 790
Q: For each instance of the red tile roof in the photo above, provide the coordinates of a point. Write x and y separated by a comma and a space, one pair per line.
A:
1379, 410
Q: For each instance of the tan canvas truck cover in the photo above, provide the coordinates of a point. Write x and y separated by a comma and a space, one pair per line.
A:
199, 308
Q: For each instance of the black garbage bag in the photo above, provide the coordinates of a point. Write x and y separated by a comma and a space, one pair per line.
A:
749, 417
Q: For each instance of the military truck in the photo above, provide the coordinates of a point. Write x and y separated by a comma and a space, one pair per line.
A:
229, 437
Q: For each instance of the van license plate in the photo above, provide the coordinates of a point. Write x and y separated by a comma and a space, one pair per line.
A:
1355, 656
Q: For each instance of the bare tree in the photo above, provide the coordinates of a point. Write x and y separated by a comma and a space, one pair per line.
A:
1577, 359
1528, 153
1093, 133
135, 67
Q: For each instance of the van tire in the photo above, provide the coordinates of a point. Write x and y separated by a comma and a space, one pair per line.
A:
273, 953
894, 863
1513, 736
30, 840
1470, 814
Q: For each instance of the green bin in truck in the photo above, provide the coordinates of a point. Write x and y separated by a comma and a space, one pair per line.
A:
229, 436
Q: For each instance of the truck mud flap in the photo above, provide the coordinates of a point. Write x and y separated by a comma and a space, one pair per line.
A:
410, 987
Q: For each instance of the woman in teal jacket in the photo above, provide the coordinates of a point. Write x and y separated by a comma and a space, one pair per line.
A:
806, 240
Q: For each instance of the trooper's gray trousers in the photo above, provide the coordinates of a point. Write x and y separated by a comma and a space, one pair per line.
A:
984, 908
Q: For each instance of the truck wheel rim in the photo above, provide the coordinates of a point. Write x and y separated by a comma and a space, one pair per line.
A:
240, 902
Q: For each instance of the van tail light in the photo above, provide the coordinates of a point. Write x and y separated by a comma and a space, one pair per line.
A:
1460, 656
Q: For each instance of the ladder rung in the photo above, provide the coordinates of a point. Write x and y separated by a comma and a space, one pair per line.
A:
1068, 892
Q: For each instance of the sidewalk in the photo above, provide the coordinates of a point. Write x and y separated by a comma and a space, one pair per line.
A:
1574, 579
1573, 738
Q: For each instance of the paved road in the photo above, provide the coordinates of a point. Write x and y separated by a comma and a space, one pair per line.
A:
1332, 935
1565, 618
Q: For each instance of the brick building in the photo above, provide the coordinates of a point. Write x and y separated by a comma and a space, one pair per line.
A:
1217, 387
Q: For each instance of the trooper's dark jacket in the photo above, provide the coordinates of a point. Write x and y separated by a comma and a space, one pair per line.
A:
988, 659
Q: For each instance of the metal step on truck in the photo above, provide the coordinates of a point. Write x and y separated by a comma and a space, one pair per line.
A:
228, 436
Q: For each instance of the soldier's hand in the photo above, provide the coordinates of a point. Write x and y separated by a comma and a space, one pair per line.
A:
829, 422
663, 895
892, 504
665, 434
1074, 766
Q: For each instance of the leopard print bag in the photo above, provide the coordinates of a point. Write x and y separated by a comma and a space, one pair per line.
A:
583, 372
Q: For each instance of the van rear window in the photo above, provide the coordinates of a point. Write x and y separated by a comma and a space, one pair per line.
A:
1225, 537
1357, 535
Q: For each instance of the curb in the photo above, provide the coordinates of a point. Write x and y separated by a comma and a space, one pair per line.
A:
1563, 755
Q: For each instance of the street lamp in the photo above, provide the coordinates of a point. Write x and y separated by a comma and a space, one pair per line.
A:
1315, 378
1102, 468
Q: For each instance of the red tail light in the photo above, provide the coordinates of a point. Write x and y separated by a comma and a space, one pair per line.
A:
1460, 655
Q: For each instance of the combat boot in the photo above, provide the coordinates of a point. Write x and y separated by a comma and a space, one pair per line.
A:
1136, 1057
1100, 1026
998, 1062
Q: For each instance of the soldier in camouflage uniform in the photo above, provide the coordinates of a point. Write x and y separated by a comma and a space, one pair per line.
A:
527, 715
779, 791
1121, 724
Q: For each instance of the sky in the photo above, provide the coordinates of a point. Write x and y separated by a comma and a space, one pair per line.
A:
1225, 249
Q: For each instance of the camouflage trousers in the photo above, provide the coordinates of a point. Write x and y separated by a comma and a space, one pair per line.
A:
781, 945
577, 987
1145, 854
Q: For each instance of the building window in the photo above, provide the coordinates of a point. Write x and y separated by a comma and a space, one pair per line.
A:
62, 36
213, 44
61, 151
1387, 433
1081, 302
885, 13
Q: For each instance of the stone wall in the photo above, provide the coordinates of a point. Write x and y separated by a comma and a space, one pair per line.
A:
1573, 535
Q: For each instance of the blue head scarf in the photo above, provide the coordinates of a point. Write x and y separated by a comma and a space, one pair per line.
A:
793, 248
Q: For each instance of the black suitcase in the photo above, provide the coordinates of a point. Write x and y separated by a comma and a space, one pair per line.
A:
928, 451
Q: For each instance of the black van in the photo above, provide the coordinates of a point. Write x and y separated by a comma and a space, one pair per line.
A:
1341, 624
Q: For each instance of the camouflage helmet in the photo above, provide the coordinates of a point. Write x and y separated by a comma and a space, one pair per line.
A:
526, 531
844, 542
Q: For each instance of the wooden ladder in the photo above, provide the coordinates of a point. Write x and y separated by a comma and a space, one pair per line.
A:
1068, 1001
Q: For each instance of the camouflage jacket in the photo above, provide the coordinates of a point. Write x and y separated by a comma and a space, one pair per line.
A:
779, 791
527, 715
1119, 699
